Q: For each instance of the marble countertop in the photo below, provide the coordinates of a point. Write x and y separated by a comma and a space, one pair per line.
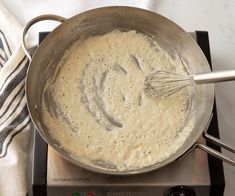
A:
217, 17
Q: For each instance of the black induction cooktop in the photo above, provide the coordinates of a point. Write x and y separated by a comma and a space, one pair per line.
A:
39, 161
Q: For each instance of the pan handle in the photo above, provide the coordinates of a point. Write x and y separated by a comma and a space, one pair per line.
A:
32, 22
215, 153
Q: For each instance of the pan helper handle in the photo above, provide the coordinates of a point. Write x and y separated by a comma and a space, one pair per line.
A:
34, 21
215, 153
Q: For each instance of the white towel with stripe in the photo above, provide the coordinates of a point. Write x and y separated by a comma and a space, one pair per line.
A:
14, 119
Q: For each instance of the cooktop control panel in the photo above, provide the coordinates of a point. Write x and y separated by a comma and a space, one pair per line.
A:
175, 191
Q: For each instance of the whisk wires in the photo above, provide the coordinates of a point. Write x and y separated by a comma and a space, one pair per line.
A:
164, 84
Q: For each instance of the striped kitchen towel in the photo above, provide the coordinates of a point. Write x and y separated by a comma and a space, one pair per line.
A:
5, 51
15, 122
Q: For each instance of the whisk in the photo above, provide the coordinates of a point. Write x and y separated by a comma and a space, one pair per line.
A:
163, 83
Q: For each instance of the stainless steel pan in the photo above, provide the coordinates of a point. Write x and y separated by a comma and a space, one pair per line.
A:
100, 21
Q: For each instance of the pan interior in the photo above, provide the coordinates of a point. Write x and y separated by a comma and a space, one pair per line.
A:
94, 104
98, 22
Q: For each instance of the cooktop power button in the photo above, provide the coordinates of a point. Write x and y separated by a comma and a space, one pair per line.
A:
180, 191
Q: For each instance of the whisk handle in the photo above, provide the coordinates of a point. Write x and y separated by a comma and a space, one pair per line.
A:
215, 76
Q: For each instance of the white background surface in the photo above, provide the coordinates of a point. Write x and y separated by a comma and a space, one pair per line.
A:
215, 16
